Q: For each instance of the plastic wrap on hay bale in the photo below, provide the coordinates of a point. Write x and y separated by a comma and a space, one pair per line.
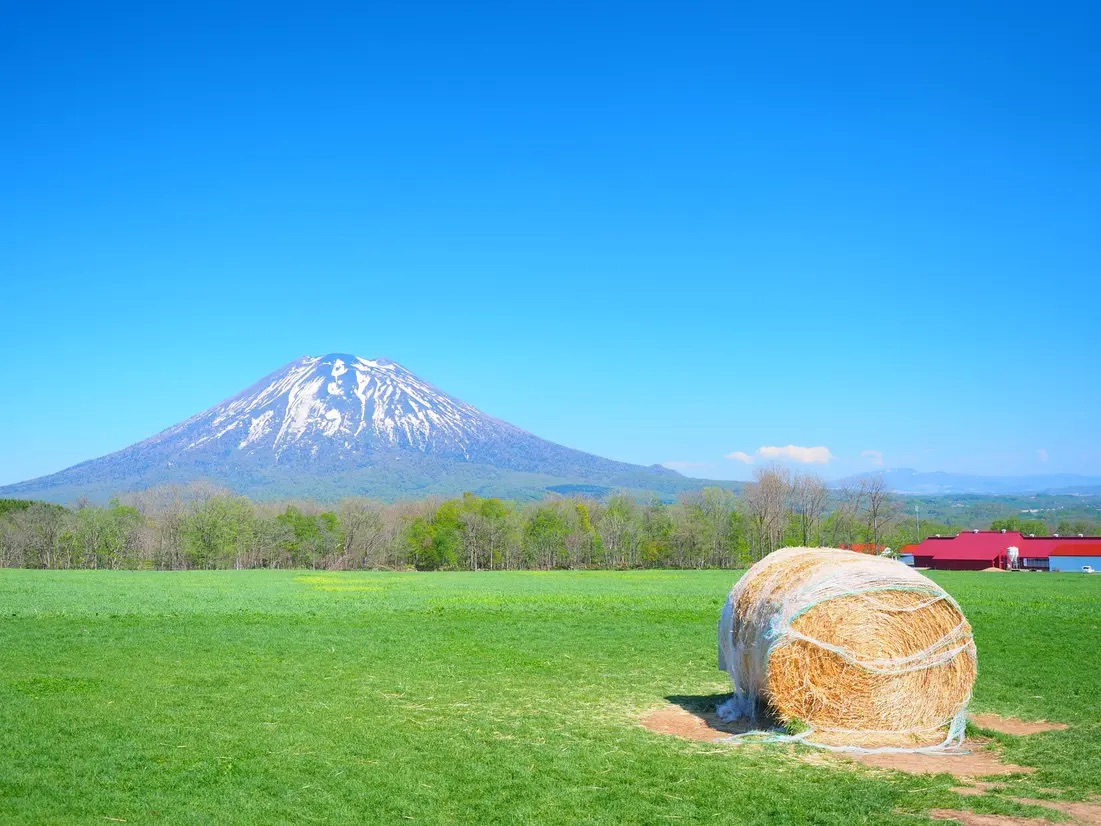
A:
863, 651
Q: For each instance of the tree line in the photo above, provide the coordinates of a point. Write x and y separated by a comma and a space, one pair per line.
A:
199, 526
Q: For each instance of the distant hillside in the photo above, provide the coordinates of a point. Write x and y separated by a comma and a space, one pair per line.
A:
908, 481
340, 425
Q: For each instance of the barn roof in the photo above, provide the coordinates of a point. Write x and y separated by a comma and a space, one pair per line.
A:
978, 545
989, 545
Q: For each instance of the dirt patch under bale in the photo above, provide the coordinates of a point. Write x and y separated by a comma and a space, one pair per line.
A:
1013, 725
706, 727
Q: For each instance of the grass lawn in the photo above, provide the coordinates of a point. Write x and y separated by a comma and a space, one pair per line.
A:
310, 697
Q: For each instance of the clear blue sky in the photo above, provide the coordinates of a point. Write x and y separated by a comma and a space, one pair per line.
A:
659, 233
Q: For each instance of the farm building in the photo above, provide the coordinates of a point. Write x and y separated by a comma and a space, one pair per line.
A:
905, 556
864, 548
1074, 556
977, 550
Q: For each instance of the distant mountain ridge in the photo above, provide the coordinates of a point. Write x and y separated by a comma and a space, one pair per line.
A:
909, 481
340, 425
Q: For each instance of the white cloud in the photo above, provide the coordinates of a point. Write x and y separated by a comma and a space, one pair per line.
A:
1041, 454
739, 456
875, 455
794, 453
806, 455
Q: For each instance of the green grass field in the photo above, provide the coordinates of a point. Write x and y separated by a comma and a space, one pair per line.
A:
308, 697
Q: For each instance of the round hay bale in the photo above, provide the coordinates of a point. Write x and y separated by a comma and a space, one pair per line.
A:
861, 650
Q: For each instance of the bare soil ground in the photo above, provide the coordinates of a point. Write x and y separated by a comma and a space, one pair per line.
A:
981, 762
1013, 725
976, 819
1088, 814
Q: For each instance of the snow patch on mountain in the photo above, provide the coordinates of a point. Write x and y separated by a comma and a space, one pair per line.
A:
258, 428
346, 400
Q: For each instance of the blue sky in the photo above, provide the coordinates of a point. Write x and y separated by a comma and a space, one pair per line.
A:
665, 233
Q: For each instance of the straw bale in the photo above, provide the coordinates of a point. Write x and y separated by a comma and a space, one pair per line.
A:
862, 649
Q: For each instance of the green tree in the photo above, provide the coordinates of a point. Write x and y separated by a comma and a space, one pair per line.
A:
105, 537
545, 538
1023, 526
657, 532
584, 546
620, 528
314, 538
218, 533
1074, 527
435, 541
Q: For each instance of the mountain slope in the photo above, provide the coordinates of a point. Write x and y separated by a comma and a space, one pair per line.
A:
341, 425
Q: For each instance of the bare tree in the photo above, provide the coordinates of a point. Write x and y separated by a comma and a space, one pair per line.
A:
363, 529
766, 502
43, 525
475, 536
719, 506
880, 509
16, 544
840, 528
617, 526
809, 495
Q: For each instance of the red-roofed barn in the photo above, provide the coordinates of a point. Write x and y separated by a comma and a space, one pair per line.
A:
976, 550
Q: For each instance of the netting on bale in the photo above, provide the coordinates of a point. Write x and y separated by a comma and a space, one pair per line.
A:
863, 651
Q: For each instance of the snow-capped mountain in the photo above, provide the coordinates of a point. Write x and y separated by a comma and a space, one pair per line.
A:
338, 425
338, 405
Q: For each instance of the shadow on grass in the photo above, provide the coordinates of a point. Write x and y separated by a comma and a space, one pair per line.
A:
702, 707
697, 703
